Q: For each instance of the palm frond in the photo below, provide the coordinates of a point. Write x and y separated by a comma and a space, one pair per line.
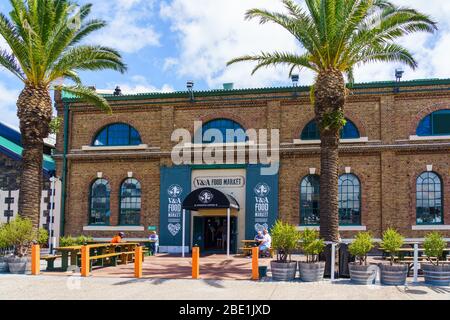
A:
87, 95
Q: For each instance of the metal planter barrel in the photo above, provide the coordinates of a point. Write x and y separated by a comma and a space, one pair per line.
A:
361, 274
393, 275
311, 272
436, 275
17, 265
283, 271
3, 265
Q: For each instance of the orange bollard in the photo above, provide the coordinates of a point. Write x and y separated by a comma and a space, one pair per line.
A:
195, 262
255, 263
35, 260
138, 255
85, 262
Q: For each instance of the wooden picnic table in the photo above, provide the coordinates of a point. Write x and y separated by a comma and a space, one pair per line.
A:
74, 252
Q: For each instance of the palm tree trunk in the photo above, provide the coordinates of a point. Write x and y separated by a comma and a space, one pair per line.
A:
329, 101
35, 113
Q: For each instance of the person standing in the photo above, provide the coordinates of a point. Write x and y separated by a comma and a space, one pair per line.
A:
266, 244
154, 244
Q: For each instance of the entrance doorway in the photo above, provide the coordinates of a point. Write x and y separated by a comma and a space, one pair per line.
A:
210, 234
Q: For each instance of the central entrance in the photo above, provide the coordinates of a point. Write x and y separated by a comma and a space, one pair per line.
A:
210, 234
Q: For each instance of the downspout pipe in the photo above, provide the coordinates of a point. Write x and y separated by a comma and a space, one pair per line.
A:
64, 168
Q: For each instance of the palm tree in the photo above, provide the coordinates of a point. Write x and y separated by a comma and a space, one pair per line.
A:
337, 36
44, 49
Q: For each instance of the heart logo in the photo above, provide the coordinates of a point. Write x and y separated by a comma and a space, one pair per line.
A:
174, 228
261, 227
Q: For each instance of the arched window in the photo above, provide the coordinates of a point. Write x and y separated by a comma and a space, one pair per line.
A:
429, 199
311, 131
100, 212
222, 131
130, 203
435, 124
349, 200
118, 134
309, 201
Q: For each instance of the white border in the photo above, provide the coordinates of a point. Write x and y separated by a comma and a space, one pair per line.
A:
113, 228
359, 140
342, 228
114, 148
417, 138
431, 227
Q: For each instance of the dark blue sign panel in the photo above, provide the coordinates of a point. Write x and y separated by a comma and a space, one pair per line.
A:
261, 201
175, 187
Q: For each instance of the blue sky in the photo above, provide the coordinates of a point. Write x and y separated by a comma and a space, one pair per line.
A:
165, 43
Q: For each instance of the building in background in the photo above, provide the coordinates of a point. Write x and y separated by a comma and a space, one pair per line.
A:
118, 174
10, 167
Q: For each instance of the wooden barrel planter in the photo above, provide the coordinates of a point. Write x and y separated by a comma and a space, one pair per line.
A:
17, 265
283, 271
311, 272
436, 275
393, 275
361, 274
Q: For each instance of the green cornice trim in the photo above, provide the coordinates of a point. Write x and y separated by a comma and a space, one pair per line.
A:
272, 90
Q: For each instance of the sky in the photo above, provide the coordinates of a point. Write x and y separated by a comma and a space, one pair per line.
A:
165, 43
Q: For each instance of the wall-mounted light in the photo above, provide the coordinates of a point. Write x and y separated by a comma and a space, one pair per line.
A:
429, 167
348, 170
130, 174
99, 175
312, 171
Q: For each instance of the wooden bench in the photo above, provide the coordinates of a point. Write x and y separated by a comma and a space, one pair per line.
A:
50, 259
113, 257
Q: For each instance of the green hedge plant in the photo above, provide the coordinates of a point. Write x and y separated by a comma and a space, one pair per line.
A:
312, 245
361, 246
285, 238
392, 242
70, 241
434, 246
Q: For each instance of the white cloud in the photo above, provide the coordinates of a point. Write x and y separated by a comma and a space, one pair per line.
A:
139, 84
129, 24
8, 99
212, 32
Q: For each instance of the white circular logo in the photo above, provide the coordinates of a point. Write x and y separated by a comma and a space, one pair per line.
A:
174, 191
205, 197
262, 189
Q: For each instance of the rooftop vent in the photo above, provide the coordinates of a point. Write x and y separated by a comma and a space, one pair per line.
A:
118, 91
228, 86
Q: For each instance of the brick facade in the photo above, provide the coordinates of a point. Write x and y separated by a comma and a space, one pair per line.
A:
387, 165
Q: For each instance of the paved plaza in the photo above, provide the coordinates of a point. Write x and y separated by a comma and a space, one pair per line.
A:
74, 287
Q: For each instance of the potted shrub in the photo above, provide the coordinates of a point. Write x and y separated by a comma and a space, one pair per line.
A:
312, 270
3, 248
360, 271
435, 273
285, 239
20, 235
393, 274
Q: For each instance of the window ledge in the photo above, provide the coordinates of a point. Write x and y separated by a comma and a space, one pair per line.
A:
113, 228
431, 227
417, 138
359, 140
112, 148
341, 228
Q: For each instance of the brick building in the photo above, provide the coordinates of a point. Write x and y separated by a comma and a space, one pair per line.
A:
394, 163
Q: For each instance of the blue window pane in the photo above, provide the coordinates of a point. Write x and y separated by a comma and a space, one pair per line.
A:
435, 124
424, 128
130, 203
429, 199
311, 131
223, 131
100, 203
118, 134
309, 201
349, 200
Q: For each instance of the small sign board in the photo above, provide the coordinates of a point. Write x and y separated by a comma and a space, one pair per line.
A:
152, 228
